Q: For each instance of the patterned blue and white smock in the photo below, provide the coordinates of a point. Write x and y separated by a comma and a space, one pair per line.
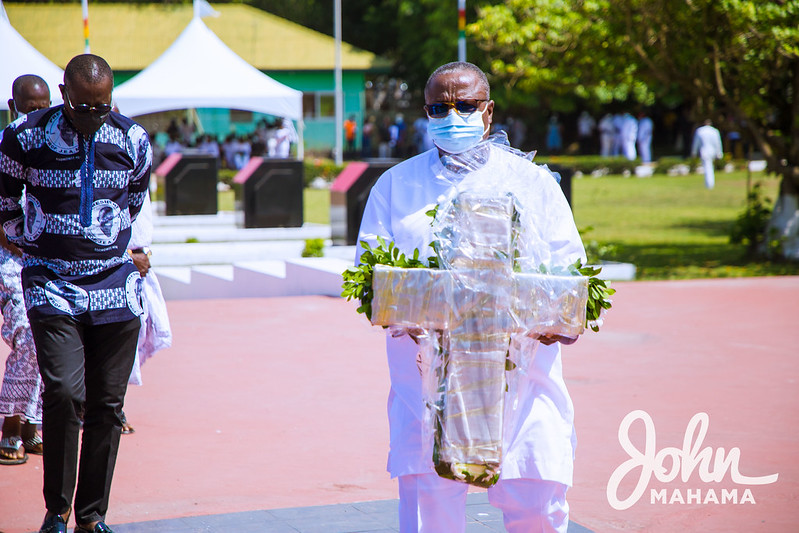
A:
80, 198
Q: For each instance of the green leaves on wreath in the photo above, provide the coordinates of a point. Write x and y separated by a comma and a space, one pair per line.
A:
599, 291
358, 279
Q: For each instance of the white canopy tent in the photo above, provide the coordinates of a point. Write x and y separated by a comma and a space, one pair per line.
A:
18, 57
199, 70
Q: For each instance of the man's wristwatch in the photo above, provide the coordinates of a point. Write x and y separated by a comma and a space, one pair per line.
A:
142, 250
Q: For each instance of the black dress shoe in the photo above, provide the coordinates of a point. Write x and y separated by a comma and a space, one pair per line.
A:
54, 524
100, 527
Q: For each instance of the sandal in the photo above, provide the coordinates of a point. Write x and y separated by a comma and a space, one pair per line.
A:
34, 445
127, 429
11, 446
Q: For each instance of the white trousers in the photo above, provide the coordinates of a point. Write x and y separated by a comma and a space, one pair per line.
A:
431, 504
710, 173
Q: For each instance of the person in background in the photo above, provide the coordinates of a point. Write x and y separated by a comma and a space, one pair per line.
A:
242, 149
645, 128
350, 133
229, 151
82, 290
421, 138
285, 136
367, 137
554, 139
607, 135
707, 144
209, 146
174, 146
21, 393
585, 132
618, 136
628, 136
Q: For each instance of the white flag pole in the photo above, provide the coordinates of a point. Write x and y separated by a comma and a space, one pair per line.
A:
339, 96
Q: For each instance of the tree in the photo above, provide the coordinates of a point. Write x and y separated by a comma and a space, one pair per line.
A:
737, 59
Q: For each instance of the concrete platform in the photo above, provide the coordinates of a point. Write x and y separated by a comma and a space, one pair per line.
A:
273, 410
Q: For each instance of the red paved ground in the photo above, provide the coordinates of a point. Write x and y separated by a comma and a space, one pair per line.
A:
268, 403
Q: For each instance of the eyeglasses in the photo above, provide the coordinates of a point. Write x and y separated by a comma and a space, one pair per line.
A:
84, 109
462, 107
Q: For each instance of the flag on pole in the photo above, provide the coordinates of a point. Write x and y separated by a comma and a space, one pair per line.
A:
461, 30
85, 5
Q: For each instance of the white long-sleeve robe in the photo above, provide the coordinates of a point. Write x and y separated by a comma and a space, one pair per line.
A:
707, 143
155, 333
542, 445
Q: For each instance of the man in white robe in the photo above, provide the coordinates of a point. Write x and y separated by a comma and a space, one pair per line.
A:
607, 133
707, 143
537, 466
645, 128
629, 134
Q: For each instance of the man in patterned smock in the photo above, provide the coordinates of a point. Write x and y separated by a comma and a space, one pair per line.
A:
20, 395
78, 162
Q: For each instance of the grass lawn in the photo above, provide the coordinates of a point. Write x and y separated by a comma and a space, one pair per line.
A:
316, 204
671, 227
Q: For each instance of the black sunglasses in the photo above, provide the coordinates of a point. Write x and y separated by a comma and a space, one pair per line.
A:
85, 109
462, 107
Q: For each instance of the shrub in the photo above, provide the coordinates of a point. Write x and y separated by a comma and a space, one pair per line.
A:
751, 226
319, 167
590, 164
314, 248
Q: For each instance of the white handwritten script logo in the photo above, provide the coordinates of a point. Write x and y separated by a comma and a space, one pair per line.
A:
683, 463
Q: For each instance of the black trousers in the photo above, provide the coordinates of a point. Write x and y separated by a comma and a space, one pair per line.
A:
85, 370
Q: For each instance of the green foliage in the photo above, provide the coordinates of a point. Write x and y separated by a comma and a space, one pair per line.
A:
599, 291
589, 164
226, 175
319, 167
313, 248
732, 58
751, 226
358, 279
594, 250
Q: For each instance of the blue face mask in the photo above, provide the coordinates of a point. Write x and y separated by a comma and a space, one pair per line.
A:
455, 133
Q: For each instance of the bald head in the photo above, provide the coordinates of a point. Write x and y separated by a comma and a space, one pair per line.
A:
87, 88
458, 67
87, 69
29, 92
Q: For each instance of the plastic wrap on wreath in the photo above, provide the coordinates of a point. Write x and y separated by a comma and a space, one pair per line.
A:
466, 405
411, 297
439, 299
549, 304
479, 308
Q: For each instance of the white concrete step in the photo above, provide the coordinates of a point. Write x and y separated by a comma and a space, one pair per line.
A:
293, 277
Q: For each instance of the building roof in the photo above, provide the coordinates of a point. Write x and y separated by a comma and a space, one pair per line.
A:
131, 36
